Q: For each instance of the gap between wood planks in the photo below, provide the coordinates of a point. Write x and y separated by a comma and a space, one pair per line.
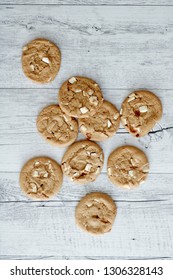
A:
30, 257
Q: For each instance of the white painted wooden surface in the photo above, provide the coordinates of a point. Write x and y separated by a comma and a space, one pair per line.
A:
123, 48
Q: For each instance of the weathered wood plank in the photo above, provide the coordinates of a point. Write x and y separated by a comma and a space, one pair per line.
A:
120, 47
141, 230
19, 139
91, 2
158, 187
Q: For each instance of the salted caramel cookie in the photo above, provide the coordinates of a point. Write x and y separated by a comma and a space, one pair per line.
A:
83, 161
127, 167
80, 97
41, 178
41, 60
140, 111
56, 127
101, 125
96, 213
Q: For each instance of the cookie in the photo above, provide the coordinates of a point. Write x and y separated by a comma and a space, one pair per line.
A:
83, 161
56, 127
41, 60
140, 111
127, 167
101, 125
96, 213
41, 178
80, 97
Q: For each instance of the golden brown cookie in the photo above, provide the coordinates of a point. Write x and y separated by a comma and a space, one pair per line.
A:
140, 111
101, 125
83, 161
80, 97
41, 60
56, 127
95, 213
41, 178
127, 167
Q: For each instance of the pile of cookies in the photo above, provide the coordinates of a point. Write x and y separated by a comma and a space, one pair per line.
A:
81, 106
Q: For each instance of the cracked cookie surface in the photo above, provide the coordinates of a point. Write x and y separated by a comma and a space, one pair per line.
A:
56, 127
127, 167
83, 161
80, 97
101, 125
41, 178
41, 60
140, 111
95, 213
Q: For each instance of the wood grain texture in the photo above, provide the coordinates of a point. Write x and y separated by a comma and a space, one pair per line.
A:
39, 231
19, 139
120, 47
152, 190
91, 2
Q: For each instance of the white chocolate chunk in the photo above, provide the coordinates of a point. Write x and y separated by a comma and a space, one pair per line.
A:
121, 112
46, 60
45, 175
124, 121
93, 154
97, 171
133, 162
83, 128
131, 173
72, 80
89, 204
143, 109
145, 168
131, 97
32, 67
33, 187
95, 85
141, 182
116, 116
84, 110
101, 157
109, 171
88, 167
37, 163
78, 90
24, 48
35, 173
93, 99
109, 123
90, 91
65, 118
